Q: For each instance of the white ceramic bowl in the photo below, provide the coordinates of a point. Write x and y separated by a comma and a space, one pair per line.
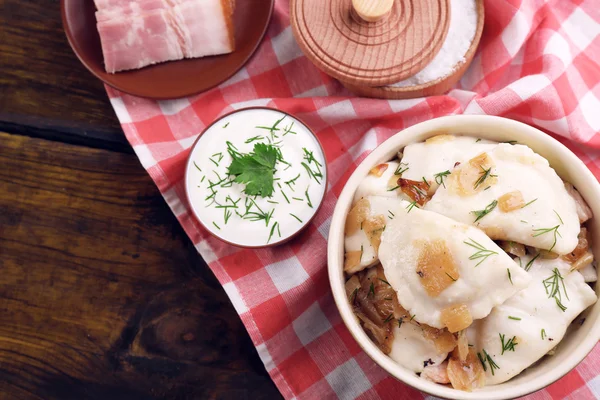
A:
578, 341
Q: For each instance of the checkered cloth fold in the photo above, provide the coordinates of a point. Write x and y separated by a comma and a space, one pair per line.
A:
538, 62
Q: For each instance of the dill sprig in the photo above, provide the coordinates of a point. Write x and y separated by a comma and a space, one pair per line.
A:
486, 173
508, 345
308, 198
197, 167
559, 218
391, 215
531, 202
426, 182
292, 182
553, 285
543, 334
371, 290
530, 263
254, 138
402, 167
486, 358
509, 276
543, 231
481, 253
488, 209
439, 177
226, 125
272, 129
554, 229
389, 318
288, 129
299, 220
514, 318
384, 281
275, 226
411, 206
309, 159
215, 224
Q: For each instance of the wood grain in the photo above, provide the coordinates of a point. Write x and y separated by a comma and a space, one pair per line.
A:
44, 90
433, 88
101, 294
380, 53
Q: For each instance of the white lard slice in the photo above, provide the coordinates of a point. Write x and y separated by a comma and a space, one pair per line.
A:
549, 222
482, 282
413, 350
526, 314
440, 153
373, 185
378, 205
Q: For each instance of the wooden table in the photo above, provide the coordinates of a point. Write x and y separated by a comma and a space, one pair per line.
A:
102, 296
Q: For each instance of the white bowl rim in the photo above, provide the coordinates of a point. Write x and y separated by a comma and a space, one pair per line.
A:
417, 133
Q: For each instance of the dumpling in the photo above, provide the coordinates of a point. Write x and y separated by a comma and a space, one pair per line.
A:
381, 181
589, 273
439, 154
445, 273
364, 225
513, 194
413, 350
528, 325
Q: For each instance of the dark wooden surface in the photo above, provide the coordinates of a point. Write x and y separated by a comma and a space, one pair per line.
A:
102, 296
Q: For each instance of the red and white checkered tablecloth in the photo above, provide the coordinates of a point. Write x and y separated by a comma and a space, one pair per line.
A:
539, 62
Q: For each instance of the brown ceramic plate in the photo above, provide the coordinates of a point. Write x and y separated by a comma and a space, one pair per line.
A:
172, 79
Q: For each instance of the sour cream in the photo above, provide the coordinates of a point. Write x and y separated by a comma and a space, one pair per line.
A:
299, 180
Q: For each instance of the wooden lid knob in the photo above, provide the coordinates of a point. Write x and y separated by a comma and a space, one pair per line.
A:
372, 10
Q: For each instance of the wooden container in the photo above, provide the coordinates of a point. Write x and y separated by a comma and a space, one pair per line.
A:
370, 44
433, 88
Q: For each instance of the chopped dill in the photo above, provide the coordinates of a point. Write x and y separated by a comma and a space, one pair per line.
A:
530, 263
553, 285
254, 138
402, 167
411, 206
439, 177
481, 253
488, 209
299, 220
308, 198
491, 363
508, 345
531, 202
484, 175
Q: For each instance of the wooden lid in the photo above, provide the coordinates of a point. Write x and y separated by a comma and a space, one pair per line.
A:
370, 42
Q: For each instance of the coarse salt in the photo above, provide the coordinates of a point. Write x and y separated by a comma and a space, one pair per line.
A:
461, 32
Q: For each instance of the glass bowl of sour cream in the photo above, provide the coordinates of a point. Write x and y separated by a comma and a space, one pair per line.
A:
256, 177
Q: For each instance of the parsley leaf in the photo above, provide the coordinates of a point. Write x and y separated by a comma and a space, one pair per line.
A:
255, 170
